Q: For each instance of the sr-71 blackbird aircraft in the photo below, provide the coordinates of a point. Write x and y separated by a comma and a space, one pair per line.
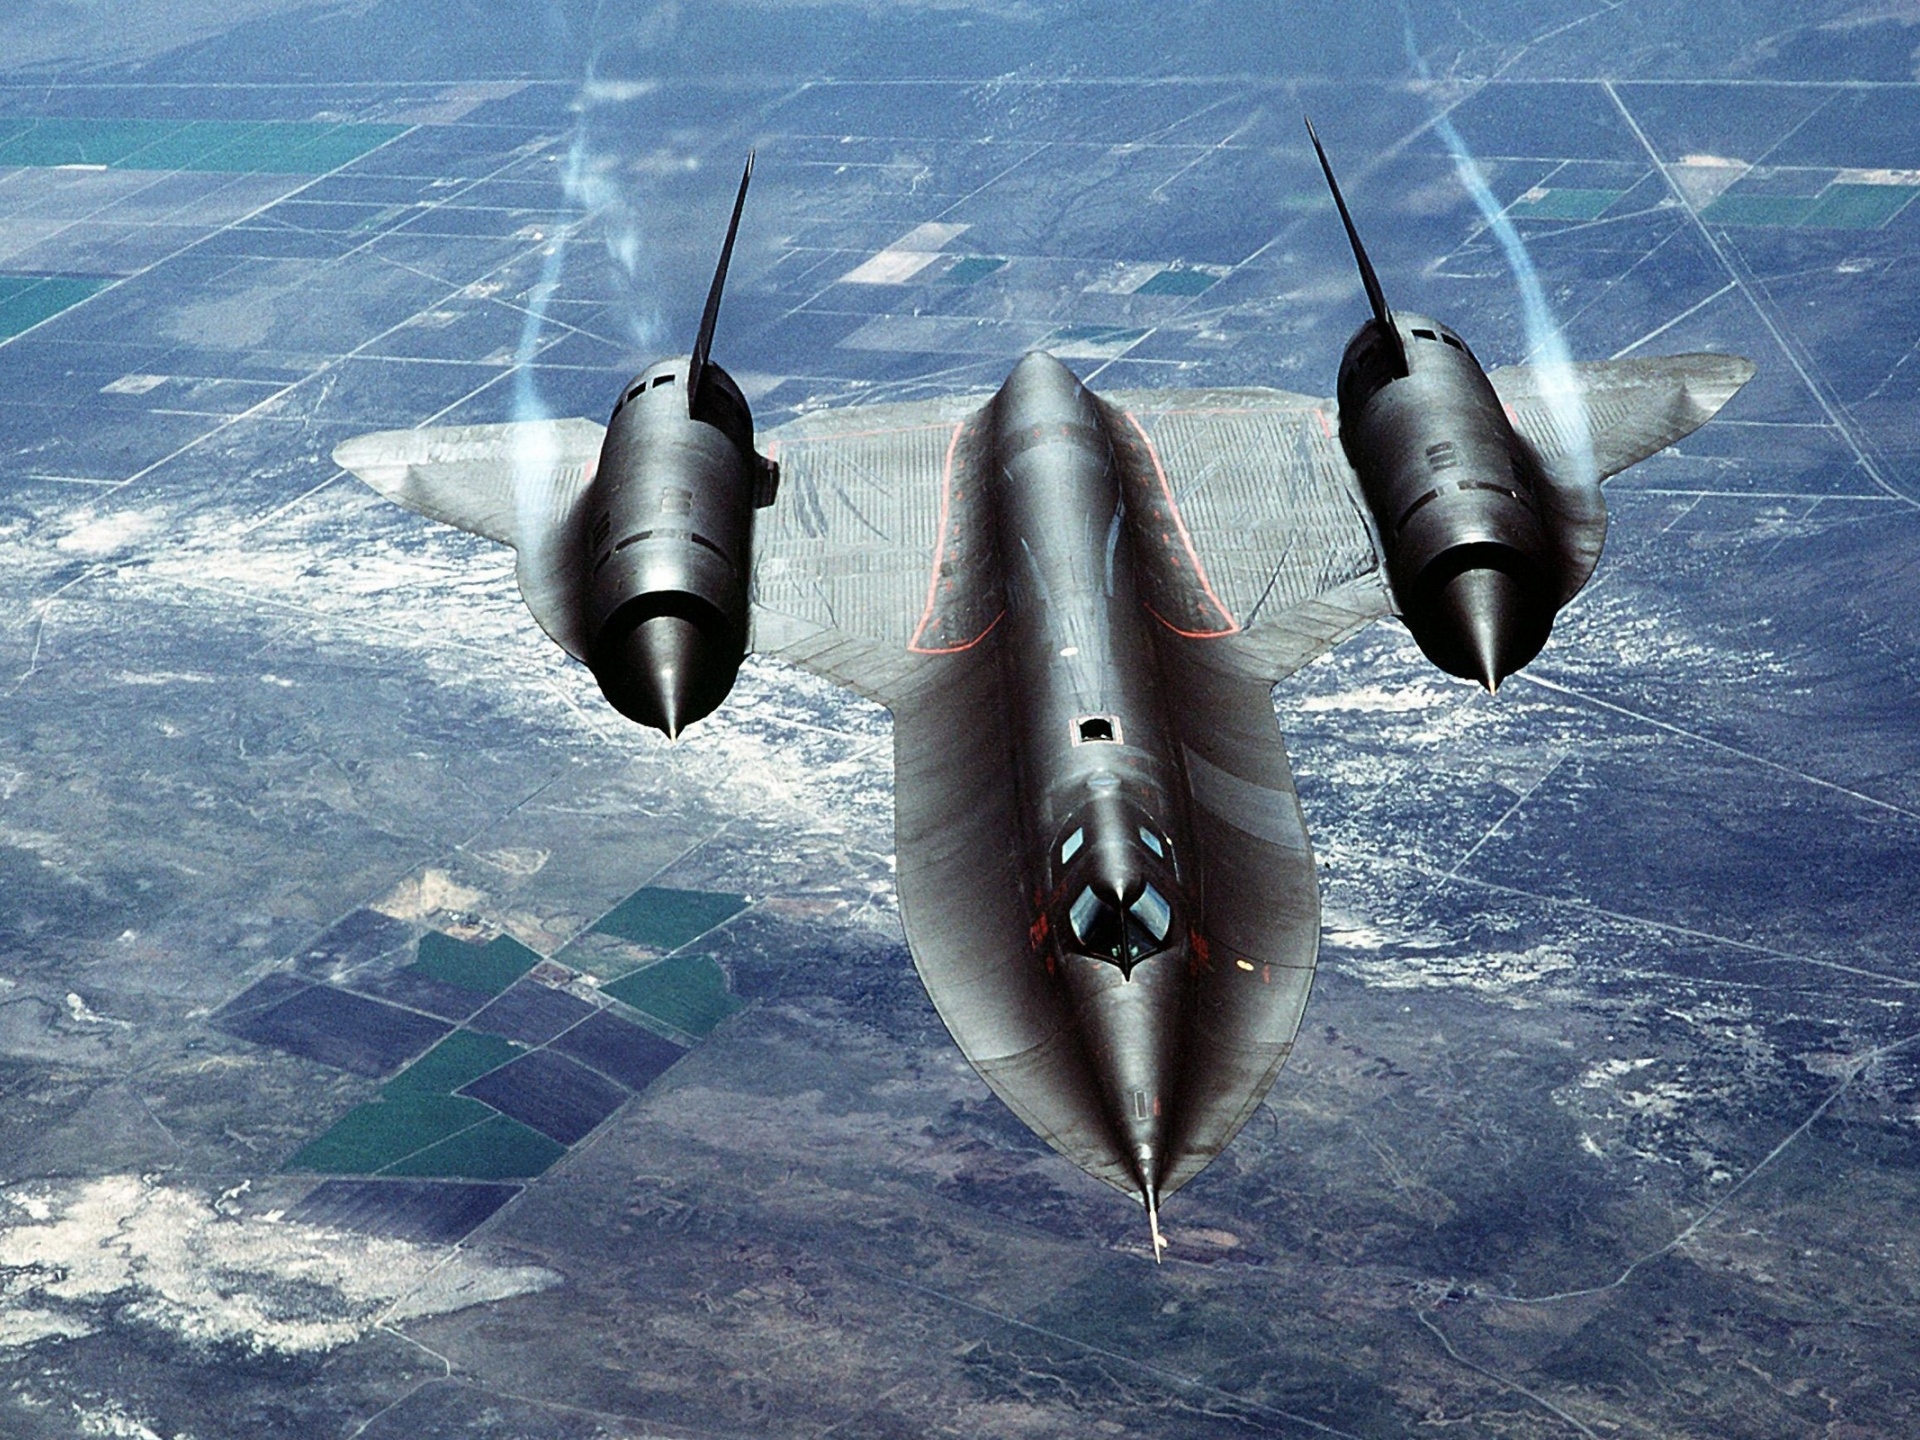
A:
1076, 607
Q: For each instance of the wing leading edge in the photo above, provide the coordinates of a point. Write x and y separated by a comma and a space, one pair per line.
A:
849, 564
518, 484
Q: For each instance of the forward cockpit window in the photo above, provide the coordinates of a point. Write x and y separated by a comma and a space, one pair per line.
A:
1152, 913
1101, 930
1070, 846
1096, 925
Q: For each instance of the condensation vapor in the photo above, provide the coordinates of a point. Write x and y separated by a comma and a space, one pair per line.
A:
590, 182
1559, 383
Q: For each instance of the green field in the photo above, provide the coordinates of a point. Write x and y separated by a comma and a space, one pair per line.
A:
1179, 282
26, 300
687, 993
495, 1149
487, 969
249, 147
1858, 207
373, 1136
460, 1059
1757, 210
667, 919
971, 269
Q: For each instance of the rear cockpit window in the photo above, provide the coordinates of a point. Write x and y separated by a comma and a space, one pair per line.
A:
660, 380
1426, 334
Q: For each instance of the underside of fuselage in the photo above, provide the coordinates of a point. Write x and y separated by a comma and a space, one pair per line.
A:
1103, 870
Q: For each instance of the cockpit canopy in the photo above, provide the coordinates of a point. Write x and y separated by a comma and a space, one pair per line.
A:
1115, 868
1101, 930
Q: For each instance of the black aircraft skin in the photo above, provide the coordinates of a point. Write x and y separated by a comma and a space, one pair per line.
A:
1103, 872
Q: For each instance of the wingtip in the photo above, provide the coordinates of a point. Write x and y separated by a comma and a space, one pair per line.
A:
1710, 379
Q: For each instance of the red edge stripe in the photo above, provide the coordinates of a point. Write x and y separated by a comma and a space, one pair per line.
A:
1232, 626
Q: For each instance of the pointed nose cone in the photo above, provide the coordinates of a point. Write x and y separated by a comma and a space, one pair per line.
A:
1150, 1197
1132, 1030
670, 652
1486, 625
666, 673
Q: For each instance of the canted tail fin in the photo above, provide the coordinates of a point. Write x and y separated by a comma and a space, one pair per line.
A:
703, 342
1376, 297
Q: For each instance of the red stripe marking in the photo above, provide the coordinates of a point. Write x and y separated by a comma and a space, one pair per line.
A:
939, 556
966, 645
1186, 542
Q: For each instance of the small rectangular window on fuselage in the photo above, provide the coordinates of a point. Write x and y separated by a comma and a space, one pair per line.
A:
1096, 729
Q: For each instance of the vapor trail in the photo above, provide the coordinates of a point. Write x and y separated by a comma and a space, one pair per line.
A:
1559, 383
589, 181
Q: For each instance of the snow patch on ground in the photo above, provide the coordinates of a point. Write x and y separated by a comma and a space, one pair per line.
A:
1506, 974
1382, 699
170, 1259
97, 535
111, 1421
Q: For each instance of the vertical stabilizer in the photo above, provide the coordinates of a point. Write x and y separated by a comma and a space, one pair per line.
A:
703, 343
1376, 297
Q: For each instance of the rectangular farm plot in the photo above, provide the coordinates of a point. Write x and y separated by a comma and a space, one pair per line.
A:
460, 1059
428, 1212
373, 1136
1858, 207
333, 1027
1179, 280
971, 269
26, 300
560, 1099
634, 1057
531, 1013
687, 993
416, 991
1544, 204
363, 936
1757, 210
663, 919
261, 147
495, 1149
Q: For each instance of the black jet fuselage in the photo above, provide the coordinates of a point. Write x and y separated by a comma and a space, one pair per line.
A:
1102, 866
1096, 767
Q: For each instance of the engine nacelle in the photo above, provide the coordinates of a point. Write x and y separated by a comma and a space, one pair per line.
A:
1454, 493
669, 543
